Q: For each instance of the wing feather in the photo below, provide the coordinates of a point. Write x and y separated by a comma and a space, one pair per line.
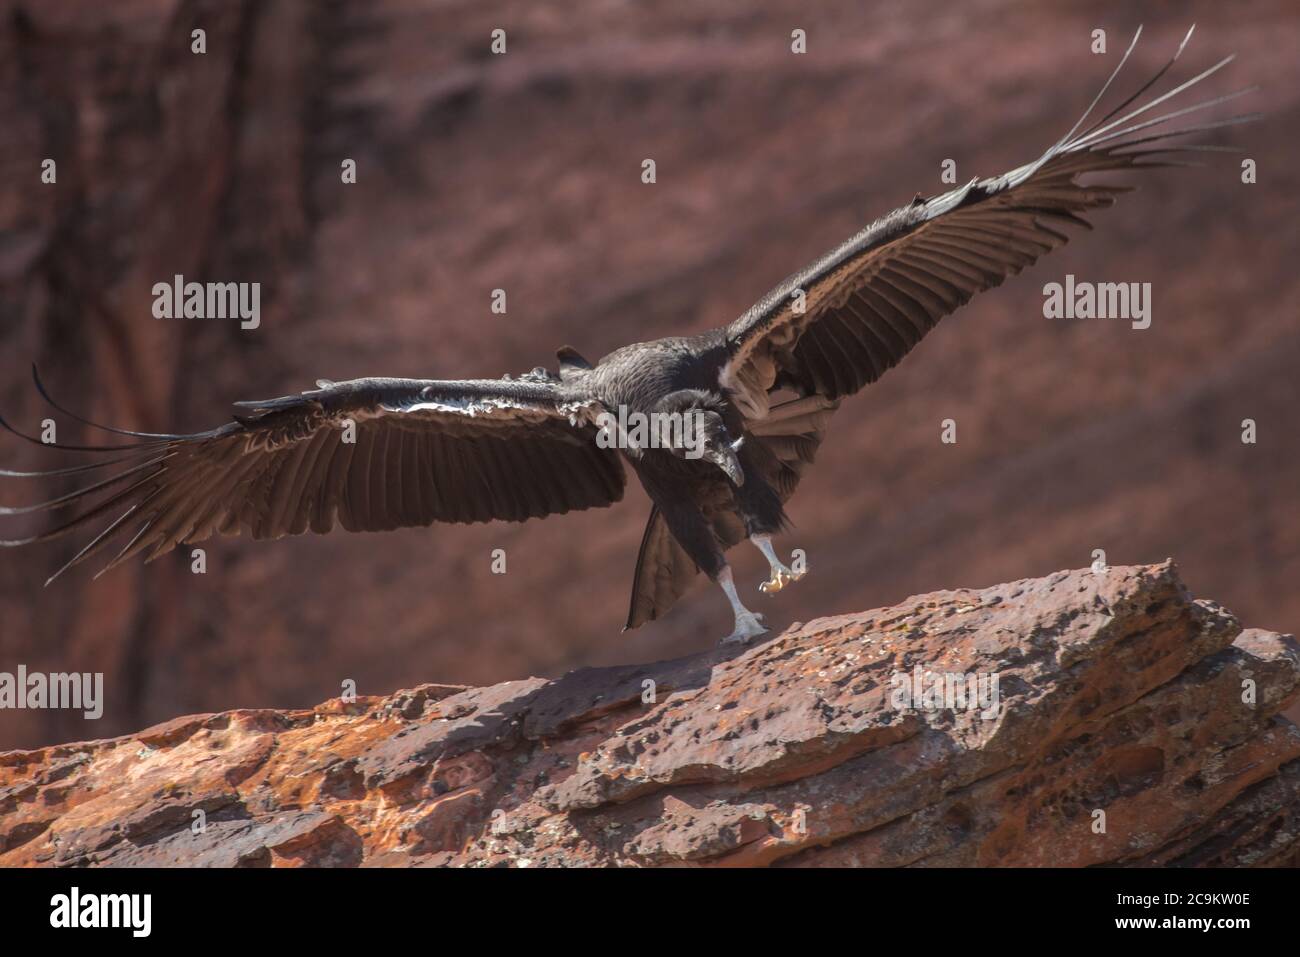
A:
425, 451
871, 300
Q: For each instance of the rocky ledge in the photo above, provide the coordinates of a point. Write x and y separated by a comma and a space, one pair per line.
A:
1082, 718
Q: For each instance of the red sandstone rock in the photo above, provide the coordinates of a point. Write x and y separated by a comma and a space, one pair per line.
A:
1120, 697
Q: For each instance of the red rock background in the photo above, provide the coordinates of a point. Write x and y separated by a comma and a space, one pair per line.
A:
522, 172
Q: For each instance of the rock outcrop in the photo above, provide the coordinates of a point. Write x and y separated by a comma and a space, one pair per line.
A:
1112, 719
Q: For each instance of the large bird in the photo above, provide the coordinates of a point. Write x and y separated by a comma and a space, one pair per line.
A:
734, 415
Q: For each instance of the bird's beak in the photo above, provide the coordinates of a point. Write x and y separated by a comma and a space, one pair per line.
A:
725, 458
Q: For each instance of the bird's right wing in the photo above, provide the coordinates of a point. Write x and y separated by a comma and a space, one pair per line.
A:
369, 454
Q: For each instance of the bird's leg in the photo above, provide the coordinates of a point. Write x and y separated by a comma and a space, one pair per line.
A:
782, 574
748, 624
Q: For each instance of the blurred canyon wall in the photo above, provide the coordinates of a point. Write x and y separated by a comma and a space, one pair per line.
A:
522, 172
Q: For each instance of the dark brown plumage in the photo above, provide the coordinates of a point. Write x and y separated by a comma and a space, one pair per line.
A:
378, 454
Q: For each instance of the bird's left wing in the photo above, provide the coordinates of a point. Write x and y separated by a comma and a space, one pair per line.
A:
843, 321
372, 454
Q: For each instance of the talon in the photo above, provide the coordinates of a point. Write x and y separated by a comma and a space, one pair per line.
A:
748, 625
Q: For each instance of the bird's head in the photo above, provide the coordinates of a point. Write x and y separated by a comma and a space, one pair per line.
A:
720, 448
695, 427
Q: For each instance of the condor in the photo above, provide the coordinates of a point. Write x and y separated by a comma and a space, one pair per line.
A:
376, 454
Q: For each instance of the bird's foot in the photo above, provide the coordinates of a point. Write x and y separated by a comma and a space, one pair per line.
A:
748, 625
781, 576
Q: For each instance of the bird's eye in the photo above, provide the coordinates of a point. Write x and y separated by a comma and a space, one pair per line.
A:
426, 392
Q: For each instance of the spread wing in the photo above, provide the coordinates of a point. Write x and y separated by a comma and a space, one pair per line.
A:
854, 313
369, 454
842, 322
785, 443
